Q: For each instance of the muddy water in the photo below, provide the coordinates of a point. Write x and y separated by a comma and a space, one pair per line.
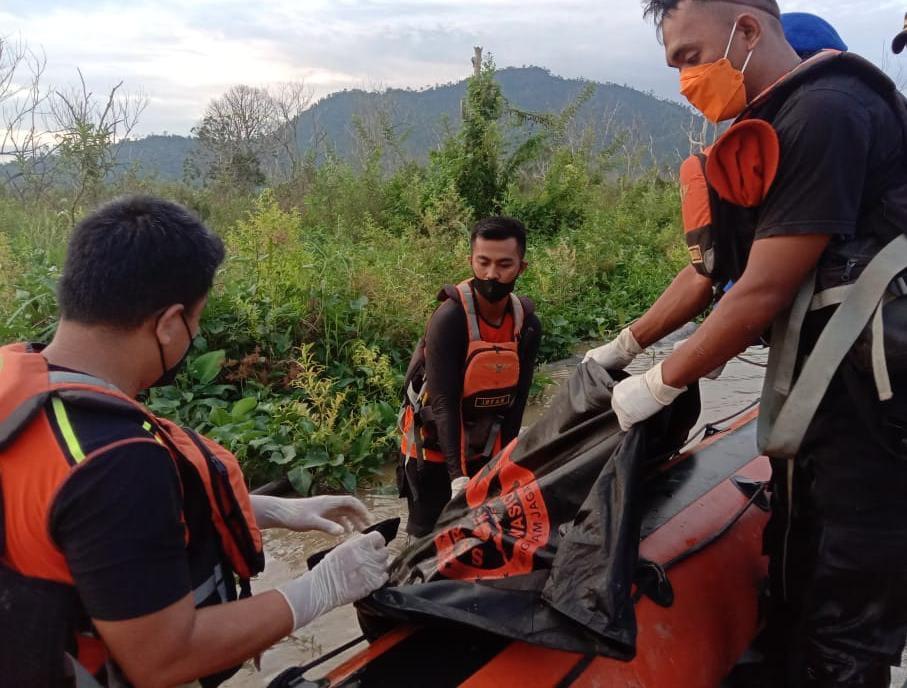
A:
286, 552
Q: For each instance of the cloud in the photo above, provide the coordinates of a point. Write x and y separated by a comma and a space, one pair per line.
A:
182, 54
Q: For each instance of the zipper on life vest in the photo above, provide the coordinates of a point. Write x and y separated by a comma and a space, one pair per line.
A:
495, 349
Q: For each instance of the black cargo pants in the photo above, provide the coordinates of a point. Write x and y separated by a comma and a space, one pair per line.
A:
837, 541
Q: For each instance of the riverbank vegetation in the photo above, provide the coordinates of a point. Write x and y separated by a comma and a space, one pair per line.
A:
333, 265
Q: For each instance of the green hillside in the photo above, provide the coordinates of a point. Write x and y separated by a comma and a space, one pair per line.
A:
421, 118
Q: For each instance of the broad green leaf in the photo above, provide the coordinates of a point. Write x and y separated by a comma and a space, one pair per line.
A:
301, 480
315, 458
218, 390
349, 482
207, 366
219, 416
279, 458
243, 408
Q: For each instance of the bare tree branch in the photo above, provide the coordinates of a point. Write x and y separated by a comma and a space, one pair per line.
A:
89, 132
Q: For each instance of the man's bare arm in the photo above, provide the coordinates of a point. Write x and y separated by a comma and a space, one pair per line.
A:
685, 298
776, 269
180, 643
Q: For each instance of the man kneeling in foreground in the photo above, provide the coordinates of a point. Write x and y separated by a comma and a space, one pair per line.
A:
122, 532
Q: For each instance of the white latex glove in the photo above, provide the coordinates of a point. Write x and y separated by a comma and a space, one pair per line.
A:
641, 396
616, 354
457, 486
332, 515
715, 374
348, 573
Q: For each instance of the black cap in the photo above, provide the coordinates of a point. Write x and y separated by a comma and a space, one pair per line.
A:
897, 45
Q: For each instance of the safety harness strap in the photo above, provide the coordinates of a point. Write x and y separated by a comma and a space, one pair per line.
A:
472, 314
494, 433
772, 397
836, 296
879, 362
787, 417
519, 315
790, 337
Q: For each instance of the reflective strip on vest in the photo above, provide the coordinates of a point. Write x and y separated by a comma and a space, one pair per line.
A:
62, 377
214, 584
79, 674
69, 435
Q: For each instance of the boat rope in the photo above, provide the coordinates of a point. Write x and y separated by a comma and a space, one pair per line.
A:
744, 359
713, 428
295, 676
699, 546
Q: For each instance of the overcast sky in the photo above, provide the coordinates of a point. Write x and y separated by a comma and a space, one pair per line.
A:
181, 53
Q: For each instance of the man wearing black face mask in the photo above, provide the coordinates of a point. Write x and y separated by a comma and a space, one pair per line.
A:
122, 535
468, 381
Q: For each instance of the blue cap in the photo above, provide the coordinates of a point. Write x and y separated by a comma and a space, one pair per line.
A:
808, 34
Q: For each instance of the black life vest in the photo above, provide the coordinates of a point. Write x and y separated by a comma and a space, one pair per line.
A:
864, 279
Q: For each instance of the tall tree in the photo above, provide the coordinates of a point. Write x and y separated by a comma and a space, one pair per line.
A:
237, 136
478, 173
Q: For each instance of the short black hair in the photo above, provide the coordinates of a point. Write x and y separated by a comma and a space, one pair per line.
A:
499, 228
658, 9
134, 257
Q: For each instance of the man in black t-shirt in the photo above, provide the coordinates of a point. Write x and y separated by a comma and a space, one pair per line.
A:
105, 522
838, 534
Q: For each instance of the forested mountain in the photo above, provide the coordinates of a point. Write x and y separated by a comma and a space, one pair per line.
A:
419, 119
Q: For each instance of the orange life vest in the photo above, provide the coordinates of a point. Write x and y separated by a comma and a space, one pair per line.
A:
490, 383
733, 175
35, 464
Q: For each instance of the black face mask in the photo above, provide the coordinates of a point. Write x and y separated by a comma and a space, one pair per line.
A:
492, 290
169, 375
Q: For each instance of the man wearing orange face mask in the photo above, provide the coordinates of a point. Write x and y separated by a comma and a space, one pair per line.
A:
803, 205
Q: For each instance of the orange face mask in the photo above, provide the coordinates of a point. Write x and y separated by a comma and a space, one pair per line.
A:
716, 89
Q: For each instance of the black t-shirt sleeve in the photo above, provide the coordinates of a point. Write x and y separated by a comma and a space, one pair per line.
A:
825, 136
529, 349
118, 522
445, 356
